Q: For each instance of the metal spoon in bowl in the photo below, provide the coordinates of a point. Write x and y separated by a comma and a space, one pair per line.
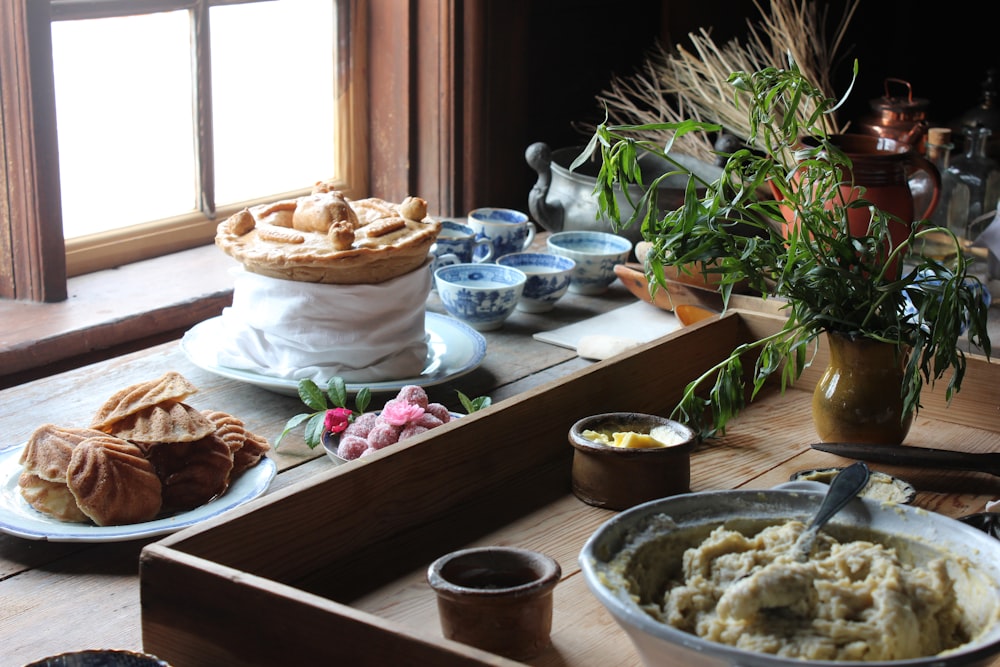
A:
781, 584
844, 487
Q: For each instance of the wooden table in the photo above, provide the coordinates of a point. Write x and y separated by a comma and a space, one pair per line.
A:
57, 597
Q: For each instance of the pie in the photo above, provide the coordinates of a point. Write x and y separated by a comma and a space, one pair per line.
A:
324, 237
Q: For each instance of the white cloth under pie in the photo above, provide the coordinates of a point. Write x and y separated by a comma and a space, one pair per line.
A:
294, 330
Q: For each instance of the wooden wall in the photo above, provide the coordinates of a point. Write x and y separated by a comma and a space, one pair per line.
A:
547, 61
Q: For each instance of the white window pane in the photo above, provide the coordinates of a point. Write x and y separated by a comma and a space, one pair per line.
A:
273, 97
124, 117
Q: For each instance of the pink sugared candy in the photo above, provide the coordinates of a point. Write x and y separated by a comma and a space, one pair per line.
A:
383, 435
406, 415
351, 447
362, 425
411, 393
439, 411
411, 430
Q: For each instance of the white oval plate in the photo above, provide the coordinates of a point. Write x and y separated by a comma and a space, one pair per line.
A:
19, 518
453, 349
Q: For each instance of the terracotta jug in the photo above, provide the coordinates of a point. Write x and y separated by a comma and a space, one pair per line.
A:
858, 398
885, 168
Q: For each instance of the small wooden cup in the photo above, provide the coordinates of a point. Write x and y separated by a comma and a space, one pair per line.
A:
498, 599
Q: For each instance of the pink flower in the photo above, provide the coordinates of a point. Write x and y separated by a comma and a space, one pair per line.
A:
337, 420
399, 412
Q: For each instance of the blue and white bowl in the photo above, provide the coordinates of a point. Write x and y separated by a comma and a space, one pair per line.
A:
481, 295
548, 278
595, 254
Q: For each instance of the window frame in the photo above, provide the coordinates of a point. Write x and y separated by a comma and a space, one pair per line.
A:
430, 126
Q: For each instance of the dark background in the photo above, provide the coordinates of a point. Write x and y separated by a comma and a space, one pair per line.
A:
571, 49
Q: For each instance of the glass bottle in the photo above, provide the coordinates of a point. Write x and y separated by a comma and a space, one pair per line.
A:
938, 147
970, 186
937, 150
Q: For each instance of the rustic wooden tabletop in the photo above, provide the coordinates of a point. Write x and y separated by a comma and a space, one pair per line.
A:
66, 596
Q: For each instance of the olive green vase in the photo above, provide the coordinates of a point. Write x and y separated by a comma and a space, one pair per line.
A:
858, 398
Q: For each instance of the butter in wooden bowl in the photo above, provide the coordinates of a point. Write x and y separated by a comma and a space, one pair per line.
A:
622, 459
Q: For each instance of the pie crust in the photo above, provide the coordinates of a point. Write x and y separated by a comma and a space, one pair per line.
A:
324, 237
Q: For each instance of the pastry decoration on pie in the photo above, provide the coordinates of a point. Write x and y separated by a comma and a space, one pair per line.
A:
148, 453
324, 237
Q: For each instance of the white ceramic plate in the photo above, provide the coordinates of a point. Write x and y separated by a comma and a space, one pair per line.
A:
453, 349
18, 518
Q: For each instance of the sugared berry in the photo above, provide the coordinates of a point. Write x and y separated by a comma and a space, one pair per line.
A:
411, 430
351, 447
411, 393
362, 425
383, 435
427, 420
439, 411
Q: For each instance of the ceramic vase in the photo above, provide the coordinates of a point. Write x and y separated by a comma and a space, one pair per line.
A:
885, 172
858, 398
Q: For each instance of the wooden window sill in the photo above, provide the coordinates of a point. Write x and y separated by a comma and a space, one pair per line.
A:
112, 312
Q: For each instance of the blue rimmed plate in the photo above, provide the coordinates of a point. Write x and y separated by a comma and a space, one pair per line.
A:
453, 349
18, 518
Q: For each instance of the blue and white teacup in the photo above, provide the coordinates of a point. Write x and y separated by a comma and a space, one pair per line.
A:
548, 278
481, 295
457, 244
595, 254
508, 229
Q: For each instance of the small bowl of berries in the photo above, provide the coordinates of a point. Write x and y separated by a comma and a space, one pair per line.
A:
348, 434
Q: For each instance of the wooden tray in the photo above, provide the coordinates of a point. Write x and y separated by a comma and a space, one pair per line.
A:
332, 570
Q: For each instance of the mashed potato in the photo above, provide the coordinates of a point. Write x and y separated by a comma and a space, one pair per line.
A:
851, 601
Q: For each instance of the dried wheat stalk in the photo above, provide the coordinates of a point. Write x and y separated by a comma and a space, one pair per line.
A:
685, 83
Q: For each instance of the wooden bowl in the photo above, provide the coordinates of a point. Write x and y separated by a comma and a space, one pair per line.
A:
613, 477
676, 293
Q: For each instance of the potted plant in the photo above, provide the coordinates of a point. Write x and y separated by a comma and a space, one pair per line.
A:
852, 288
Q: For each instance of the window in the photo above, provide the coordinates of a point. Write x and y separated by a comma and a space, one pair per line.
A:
416, 106
172, 117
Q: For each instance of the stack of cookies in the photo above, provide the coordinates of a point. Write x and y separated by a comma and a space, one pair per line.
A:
145, 453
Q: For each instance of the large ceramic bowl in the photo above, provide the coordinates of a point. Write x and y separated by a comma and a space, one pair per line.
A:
596, 254
917, 534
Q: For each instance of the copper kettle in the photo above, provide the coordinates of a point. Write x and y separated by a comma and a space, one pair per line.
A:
903, 119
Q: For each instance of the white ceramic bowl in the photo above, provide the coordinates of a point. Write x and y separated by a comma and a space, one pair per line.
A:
481, 295
921, 534
595, 254
548, 278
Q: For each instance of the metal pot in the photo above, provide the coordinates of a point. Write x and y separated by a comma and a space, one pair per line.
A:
564, 200
920, 534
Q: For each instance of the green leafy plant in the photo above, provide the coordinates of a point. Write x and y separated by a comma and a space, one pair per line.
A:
829, 280
334, 400
320, 403
473, 404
